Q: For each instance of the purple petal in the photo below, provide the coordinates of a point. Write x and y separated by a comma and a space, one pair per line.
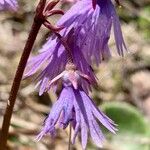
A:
8, 5
120, 44
95, 132
107, 122
84, 133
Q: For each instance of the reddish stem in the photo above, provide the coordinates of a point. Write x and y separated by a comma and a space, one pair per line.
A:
118, 2
38, 21
94, 2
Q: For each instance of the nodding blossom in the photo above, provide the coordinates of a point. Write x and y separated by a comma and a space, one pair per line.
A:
76, 108
8, 5
93, 28
52, 60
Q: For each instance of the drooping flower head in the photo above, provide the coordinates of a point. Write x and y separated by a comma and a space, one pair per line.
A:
75, 107
8, 5
93, 28
52, 61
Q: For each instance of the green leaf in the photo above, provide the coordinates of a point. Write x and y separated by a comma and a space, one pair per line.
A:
128, 118
133, 130
144, 21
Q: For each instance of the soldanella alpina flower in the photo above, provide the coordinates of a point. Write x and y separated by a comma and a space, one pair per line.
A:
8, 5
92, 29
52, 60
76, 108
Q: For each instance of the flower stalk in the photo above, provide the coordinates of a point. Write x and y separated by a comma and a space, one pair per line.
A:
70, 133
38, 21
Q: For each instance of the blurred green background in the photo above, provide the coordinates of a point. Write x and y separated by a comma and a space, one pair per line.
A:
123, 92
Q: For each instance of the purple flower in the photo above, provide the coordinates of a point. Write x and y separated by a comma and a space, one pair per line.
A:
8, 5
74, 106
52, 61
92, 28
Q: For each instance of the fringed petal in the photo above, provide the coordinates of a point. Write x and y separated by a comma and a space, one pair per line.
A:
84, 133
8, 5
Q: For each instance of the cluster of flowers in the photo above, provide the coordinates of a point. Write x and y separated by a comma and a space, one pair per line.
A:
68, 58
8, 5
87, 26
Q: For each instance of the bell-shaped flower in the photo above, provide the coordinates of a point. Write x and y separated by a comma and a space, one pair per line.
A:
76, 108
52, 60
92, 29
